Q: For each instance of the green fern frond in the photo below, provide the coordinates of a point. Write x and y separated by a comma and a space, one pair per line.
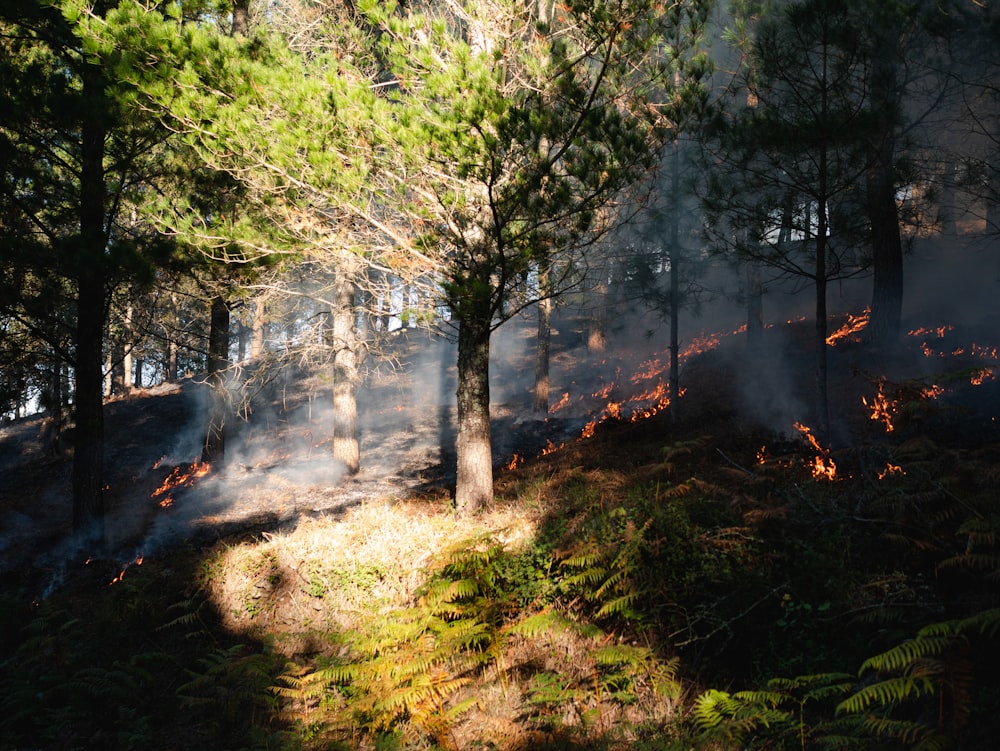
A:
720, 715
903, 655
772, 699
586, 577
985, 623
712, 708
891, 691
612, 580
906, 731
621, 654
541, 624
586, 556
816, 687
621, 606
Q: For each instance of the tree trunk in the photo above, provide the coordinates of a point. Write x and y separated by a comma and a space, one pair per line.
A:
993, 195
259, 329
887, 250
474, 481
822, 396
675, 280
108, 371
88, 439
88, 454
346, 448
883, 215
544, 340
171, 360
242, 340
241, 18
214, 449
127, 360
946, 200
597, 335
755, 306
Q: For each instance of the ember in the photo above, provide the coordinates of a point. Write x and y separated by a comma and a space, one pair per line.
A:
979, 377
137, 561
890, 469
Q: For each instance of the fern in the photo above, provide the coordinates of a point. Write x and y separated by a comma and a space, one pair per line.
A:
936, 664
606, 573
888, 692
732, 718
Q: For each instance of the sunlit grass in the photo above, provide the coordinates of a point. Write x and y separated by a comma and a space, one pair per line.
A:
333, 572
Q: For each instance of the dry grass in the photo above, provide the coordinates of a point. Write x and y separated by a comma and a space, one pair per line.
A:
302, 588
333, 573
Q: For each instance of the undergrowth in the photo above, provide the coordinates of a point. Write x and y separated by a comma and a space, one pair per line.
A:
694, 596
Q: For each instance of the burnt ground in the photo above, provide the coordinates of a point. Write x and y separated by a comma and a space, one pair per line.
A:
279, 465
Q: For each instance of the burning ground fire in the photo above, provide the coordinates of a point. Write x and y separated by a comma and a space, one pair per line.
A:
885, 407
651, 393
649, 379
179, 477
823, 467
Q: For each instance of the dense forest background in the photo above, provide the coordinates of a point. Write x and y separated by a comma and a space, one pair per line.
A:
661, 335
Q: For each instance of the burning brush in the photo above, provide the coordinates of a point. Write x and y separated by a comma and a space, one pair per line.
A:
822, 466
179, 477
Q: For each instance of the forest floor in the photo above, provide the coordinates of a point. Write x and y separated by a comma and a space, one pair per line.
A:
286, 548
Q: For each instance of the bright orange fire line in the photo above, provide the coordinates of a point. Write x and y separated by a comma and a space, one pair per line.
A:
179, 478
854, 325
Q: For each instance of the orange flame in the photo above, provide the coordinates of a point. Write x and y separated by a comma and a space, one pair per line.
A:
932, 392
561, 403
890, 469
179, 478
854, 325
550, 448
137, 561
881, 408
823, 467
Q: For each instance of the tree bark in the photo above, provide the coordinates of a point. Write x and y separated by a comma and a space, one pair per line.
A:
675, 279
346, 447
171, 360
88, 438
822, 395
474, 480
259, 326
88, 454
128, 361
887, 250
597, 335
883, 214
241, 18
214, 449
